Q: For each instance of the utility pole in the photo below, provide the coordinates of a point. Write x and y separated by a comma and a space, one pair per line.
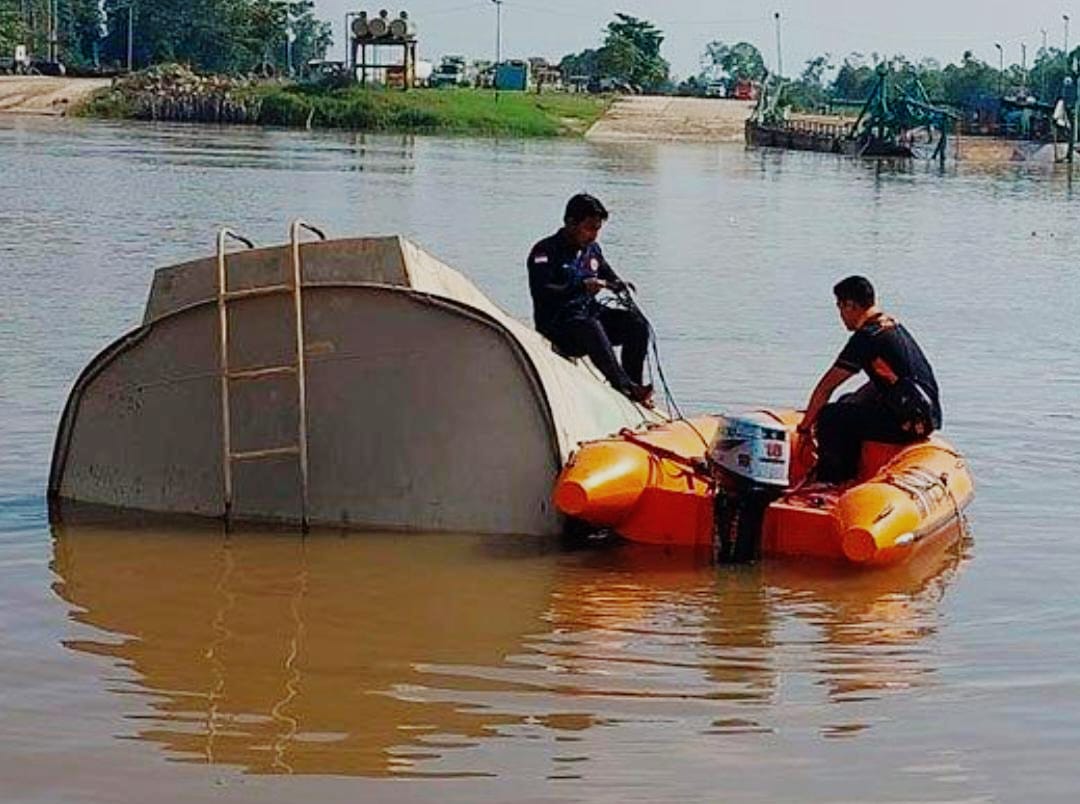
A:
49, 20
1001, 69
1072, 128
498, 47
52, 29
288, 44
130, 34
1076, 110
779, 51
1023, 64
1042, 68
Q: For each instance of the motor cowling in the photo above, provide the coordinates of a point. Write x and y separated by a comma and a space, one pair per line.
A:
750, 460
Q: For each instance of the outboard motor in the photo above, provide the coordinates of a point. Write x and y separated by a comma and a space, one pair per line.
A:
750, 458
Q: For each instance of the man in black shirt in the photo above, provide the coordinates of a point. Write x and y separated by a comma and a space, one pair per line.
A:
898, 406
566, 271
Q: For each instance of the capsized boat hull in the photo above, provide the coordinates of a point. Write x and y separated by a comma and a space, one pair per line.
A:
408, 373
650, 486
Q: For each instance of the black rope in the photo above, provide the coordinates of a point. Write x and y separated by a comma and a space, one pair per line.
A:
623, 295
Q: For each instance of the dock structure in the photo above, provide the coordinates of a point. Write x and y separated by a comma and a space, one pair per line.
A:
356, 383
799, 135
893, 121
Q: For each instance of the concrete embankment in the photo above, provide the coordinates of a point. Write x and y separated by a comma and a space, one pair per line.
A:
659, 118
45, 95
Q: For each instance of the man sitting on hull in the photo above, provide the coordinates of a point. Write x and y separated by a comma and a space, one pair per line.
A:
566, 271
898, 406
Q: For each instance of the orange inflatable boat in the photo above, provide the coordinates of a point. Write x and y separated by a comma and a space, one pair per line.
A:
736, 485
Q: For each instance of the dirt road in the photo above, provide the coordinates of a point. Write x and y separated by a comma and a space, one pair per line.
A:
655, 118
44, 95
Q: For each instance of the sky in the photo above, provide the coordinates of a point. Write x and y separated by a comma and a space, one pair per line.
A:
943, 29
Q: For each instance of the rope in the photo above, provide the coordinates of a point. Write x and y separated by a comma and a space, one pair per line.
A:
626, 300
919, 492
695, 467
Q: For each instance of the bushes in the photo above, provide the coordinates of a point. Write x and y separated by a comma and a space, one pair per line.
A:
343, 111
335, 110
284, 109
108, 104
416, 119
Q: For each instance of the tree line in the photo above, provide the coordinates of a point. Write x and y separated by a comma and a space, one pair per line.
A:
968, 83
238, 36
629, 57
230, 36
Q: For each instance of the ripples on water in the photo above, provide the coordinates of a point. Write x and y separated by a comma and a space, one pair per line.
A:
520, 669
383, 655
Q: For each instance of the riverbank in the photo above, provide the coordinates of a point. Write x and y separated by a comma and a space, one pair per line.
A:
45, 95
658, 118
175, 94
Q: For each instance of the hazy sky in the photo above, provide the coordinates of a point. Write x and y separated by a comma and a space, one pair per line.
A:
552, 28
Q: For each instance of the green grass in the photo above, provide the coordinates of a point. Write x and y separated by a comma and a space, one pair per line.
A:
450, 111
443, 111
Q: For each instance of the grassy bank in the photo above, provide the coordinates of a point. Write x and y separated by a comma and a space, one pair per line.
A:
454, 111
165, 95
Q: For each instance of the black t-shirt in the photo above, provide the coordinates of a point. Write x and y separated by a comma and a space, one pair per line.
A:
885, 350
557, 273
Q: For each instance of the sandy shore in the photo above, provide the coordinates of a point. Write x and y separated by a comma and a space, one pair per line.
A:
44, 95
655, 118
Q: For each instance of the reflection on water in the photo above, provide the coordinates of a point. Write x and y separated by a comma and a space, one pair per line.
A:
376, 655
642, 678
181, 146
282, 654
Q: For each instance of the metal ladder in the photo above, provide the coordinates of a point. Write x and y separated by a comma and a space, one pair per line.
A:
298, 368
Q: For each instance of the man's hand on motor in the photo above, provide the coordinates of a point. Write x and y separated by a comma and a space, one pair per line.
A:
594, 285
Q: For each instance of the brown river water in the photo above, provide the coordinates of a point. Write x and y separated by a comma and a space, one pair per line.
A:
150, 662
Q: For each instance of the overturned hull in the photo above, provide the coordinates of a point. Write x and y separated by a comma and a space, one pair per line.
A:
421, 406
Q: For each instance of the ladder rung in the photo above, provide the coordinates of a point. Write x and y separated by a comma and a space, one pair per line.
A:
258, 374
265, 290
259, 454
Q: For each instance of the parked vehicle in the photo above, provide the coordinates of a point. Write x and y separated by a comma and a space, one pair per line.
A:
451, 72
745, 90
715, 89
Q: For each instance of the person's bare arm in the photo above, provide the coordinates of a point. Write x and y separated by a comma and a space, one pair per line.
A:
829, 382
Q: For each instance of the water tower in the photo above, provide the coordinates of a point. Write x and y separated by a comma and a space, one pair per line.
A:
369, 35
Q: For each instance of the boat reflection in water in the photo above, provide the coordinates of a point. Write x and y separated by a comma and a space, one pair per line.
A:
282, 654
389, 655
751, 629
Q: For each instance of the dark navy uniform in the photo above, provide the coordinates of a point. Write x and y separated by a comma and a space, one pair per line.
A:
566, 313
900, 404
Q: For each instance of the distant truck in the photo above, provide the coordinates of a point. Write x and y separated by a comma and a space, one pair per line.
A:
744, 90
512, 75
22, 63
715, 89
451, 72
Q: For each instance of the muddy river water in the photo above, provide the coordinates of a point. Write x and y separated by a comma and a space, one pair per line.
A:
149, 662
